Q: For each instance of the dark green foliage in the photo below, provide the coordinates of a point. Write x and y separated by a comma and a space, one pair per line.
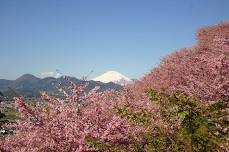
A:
201, 128
97, 145
136, 118
2, 119
7, 116
2, 115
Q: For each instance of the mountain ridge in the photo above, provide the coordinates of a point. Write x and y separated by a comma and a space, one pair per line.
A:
29, 85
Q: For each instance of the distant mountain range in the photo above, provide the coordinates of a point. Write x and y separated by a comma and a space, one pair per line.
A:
30, 86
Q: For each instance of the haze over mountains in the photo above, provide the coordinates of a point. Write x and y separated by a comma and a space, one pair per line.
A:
30, 86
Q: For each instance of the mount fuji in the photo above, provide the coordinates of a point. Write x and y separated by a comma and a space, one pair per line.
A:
113, 76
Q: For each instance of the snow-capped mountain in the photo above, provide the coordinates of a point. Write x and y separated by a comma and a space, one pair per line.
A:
113, 76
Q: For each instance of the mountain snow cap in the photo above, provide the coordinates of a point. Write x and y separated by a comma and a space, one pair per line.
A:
113, 76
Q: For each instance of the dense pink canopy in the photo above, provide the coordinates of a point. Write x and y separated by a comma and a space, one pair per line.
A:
201, 71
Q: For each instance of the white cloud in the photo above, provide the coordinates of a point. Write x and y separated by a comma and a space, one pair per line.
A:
51, 74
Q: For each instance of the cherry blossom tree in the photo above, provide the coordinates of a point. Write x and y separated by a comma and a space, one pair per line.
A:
202, 71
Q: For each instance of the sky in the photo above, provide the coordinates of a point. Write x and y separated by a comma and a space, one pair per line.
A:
77, 36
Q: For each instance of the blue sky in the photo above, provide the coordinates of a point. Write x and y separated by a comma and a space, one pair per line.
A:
129, 36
